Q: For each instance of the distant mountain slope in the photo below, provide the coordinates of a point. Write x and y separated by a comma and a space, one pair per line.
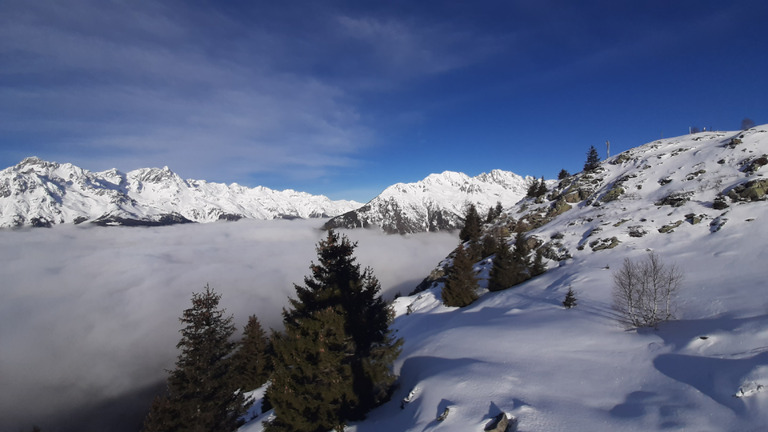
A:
41, 193
699, 202
436, 203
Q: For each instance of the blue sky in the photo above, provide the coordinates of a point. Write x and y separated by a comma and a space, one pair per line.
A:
344, 98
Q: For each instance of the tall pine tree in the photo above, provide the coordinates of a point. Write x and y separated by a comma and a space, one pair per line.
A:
506, 272
538, 263
472, 229
521, 251
312, 383
460, 285
338, 285
202, 394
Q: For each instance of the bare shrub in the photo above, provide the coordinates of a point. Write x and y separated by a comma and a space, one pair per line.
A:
644, 292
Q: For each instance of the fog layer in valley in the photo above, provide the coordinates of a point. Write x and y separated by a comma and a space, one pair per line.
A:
90, 314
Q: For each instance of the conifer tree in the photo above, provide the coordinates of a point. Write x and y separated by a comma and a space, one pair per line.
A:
491, 215
541, 190
563, 174
337, 286
202, 394
593, 159
538, 263
312, 381
521, 251
490, 245
570, 299
494, 212
471, 230
532, 189
506, 272
252, 360
460, 285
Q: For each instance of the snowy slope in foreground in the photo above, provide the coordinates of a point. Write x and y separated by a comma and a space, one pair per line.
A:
41, 193
436, 203
520, 352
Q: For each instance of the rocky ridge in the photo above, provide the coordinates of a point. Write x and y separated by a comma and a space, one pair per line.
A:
685, 184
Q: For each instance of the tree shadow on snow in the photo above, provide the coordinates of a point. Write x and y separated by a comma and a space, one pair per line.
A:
638, 404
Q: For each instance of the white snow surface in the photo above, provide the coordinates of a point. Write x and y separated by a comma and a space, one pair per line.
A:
42, 192
520, 352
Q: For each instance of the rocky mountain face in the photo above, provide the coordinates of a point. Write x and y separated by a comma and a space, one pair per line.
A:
41, 193
675, 188
436, 203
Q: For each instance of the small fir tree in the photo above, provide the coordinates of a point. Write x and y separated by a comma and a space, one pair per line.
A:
593, 159
460, 285
471, 230
563, 174
252, 360
570, 299
202, 394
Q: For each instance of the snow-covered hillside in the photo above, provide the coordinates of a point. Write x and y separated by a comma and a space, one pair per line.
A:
436, 203
698, 201
41, 193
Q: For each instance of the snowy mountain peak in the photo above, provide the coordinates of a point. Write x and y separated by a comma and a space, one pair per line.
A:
155, 175
436, 203
41, 193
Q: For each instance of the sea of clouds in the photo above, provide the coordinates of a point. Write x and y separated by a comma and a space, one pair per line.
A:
89, 315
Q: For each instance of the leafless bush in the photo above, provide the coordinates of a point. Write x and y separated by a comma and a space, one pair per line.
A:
644, 292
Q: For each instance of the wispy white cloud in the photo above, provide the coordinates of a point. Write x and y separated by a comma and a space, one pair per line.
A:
161, 88
401, 48
208, 92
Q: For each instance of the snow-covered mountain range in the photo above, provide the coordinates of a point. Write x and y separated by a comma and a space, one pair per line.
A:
700, 202
42, 193
436, 203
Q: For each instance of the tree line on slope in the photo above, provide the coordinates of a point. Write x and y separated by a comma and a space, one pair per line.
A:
331, 363
644, 293
510, 266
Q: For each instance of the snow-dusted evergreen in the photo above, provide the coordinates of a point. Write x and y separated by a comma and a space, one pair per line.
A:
41, 193
698, 201
435, 203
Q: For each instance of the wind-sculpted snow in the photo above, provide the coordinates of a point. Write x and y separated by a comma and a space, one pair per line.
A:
437, 203
41, 193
